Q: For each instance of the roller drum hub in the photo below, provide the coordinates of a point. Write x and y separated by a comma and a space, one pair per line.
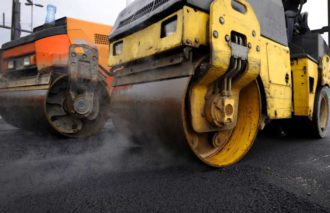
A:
82, 105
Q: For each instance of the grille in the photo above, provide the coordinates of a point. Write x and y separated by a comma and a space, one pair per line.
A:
142, 12
159, 3
101, 39
125, 21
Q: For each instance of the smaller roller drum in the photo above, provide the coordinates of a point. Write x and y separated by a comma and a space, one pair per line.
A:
43, 110
321, 113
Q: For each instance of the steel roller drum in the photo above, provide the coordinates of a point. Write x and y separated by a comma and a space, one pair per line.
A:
152, 112
25, 109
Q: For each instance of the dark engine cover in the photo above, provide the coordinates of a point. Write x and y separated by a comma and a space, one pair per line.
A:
309, 44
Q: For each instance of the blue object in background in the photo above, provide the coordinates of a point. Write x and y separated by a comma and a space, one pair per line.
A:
51, 11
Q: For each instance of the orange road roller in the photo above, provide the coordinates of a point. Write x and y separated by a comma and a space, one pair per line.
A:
56, 79
208, 75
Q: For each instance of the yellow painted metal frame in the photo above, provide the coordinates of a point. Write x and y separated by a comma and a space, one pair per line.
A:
241, 138
325, 74
275, 65
244, 23
245, 132
304, 70
191, 31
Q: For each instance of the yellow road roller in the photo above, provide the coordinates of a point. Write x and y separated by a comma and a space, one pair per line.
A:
56, 79
210, 74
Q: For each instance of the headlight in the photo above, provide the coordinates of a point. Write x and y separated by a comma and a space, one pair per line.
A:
21, 62
118, 48
11, 64
27, 61
169, 27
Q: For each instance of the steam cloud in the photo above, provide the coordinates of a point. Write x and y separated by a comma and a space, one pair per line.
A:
43, 164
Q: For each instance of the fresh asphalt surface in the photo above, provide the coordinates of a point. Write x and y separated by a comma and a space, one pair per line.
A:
108, 173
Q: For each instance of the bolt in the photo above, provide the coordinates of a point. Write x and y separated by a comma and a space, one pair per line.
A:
258, 48
249, 45
227, 37
229, 110
222, 20
254, 33
196, 40
188, 41
215, 34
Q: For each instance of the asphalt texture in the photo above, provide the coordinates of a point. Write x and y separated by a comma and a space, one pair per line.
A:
108, 173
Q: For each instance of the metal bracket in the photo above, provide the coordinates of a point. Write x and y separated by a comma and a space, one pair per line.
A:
83, 78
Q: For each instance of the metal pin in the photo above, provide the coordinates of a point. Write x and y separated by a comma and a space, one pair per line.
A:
215, 34
222, 20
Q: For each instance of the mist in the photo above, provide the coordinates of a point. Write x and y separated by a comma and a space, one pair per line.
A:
51, 162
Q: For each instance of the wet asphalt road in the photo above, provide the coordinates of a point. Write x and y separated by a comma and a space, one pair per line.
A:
108, 173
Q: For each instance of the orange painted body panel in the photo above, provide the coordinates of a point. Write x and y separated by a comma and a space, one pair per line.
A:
93, 34
52, 51
19, 51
